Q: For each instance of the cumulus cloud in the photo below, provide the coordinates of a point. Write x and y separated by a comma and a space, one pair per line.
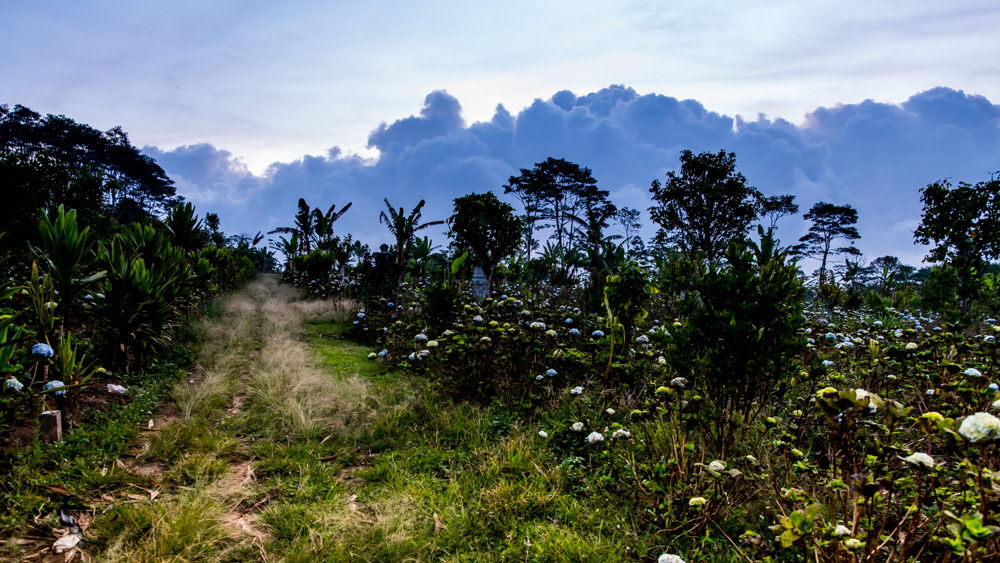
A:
875, 156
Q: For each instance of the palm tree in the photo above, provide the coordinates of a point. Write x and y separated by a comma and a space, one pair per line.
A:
324, 223
288, 247
403, 228
304, 230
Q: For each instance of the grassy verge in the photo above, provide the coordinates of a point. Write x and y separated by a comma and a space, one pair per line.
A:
36, 482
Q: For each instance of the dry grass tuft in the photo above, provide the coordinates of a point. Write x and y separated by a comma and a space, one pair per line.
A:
288, 382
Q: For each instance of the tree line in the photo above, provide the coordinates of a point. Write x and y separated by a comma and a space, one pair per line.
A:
568, 233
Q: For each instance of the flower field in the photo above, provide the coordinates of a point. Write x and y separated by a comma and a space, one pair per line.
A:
880, 446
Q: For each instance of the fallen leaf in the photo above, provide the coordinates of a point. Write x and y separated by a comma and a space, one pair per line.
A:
58, 489
66, 542
438, 525
153, 494
121, 465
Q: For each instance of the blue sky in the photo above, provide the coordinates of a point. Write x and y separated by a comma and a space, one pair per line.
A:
250, 105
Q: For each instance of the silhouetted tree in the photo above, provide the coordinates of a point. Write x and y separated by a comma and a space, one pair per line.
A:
830, 222
705, 206
777, 206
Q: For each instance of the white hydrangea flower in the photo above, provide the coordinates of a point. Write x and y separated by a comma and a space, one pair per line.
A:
669, 558
980, 427
696, 501
621, 433
973, 372
920, 459
543, 434
577, 390
577, 426
610, 411
841, 530
595, 437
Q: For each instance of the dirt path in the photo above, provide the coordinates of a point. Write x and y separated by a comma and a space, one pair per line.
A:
257, 388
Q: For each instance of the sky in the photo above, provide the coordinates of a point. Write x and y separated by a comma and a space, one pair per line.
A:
249, 105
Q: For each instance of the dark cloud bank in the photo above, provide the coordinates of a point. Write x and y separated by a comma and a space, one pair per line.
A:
875, 156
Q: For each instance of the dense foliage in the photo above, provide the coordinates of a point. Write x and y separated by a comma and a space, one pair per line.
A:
102, 263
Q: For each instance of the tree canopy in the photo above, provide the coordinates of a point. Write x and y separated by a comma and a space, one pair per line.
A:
487, 227
560, 195
52, 160
704, 206
963, 226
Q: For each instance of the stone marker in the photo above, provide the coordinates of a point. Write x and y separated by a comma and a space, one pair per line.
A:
479, 283
51, 426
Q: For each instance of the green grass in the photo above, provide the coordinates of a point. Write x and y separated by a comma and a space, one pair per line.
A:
76, 463
334, 457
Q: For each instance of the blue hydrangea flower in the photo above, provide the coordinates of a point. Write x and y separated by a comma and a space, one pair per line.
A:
361, 315
383, 353
42, 349
390, 305
574, 331
551, 373
597, 334
55, 383
16, 385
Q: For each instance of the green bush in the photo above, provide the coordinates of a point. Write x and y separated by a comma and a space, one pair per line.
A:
739, 342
